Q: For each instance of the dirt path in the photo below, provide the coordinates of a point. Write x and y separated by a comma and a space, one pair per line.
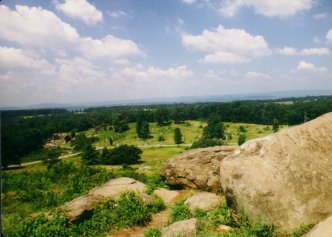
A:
159, 220
40, 161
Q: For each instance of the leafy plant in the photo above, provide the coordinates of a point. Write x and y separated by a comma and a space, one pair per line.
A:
153, 232
180, 212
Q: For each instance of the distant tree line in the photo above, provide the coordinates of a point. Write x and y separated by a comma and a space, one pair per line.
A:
21, 135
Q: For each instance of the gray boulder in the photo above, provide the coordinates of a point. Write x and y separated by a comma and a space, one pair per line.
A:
284, 178
166, 195
112, 189
203, 201
186, 228
198, 168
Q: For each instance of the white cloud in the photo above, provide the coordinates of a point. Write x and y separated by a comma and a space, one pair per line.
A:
270, 8
320, 16
257, 75
329, 36
14, 59
35, 27
289, 51
116, 14
316, 40
225, 57
109, 47
316, 51
235, 44
81, 10
189, 1
309, 67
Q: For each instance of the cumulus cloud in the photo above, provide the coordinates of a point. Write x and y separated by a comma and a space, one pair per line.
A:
271, 8
257, 75
309, 67
31, 27
329, 37
80, 10
109, 47
227, 45
14, 59
35, 27
189, 1
316, 51
289, 51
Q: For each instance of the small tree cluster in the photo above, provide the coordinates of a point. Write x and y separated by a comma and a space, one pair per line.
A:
142, 129
177, 136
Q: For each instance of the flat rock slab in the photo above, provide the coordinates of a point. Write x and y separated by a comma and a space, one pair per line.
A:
203, 201
166, 195
322, 229
112, 189
186, 228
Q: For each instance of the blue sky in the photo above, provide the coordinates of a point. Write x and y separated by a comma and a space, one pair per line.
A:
76, 51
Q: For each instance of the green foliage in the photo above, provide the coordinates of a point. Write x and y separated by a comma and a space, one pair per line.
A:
51, 157
89, 155
242, 129
302, 230
180, 212
156, 206
153, 232
123, 154
177, 136
153, 182
80, 142
275, 125
142, 129
241, 139
205, 142
215, 128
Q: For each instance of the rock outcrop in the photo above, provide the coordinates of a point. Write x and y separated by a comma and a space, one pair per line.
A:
166, 195
185, 228
112, 189
198, 168
322, 229
203, 201
286, 177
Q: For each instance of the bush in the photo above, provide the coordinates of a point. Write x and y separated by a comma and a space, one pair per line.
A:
153, 232
180, 212
124, 154
205, 142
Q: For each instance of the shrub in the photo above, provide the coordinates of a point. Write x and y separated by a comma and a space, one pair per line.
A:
205, 142
125, 154
180, 212
153, 232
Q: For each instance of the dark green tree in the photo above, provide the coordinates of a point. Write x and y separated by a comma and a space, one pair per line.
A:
162, 117
205, 142
177, 136
124, 154
111, 141
105, 156
215, 128
89, 155
275, 125
80, 142
51, 157
241, 139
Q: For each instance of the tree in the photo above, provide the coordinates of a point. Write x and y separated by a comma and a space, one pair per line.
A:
241, 139
142, 129
89, 155
51, 157
162, 117
105, 156
275, 125
111, 141
214, 129
205, 142
80, 142
124, 154
177, 136
120, 124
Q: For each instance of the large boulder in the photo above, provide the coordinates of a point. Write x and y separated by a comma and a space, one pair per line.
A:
198, 168
185, 228
112, 189
284, 178
322, 229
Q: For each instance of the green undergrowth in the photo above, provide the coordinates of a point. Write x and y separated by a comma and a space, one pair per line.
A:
32, 192
225, 215
128, 211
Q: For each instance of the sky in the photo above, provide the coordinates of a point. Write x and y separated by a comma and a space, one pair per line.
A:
77, 51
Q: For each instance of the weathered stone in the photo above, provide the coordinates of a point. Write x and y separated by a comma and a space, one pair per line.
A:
186, 228
112, 189
198, 168
203, 201
166, 195
322, 229
224, 228
286, 177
